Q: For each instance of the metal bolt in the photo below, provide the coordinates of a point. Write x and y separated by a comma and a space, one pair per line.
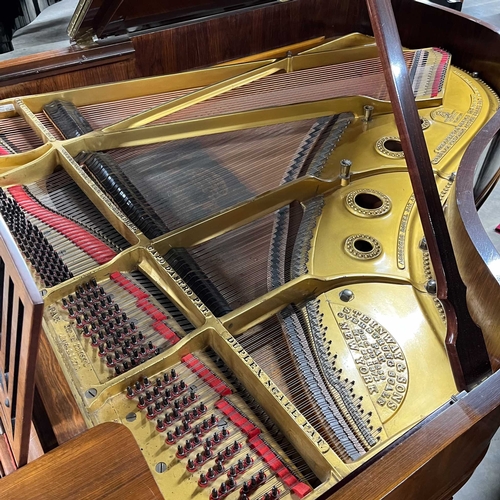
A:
160, 467
431, 287
345, 171
368, 110
423, 244
346, 295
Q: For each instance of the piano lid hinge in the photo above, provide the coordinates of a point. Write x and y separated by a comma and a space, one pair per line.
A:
86, 39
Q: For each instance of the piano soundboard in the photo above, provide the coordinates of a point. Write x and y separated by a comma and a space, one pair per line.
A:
232, 263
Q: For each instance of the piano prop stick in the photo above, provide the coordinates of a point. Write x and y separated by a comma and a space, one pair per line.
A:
464, 340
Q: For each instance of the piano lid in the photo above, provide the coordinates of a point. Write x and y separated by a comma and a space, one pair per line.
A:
103, 18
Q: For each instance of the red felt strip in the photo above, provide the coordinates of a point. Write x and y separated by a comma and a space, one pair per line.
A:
91, 245
150, 309
198, 368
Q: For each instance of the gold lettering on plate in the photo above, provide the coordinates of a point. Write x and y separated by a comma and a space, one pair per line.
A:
462, 122
311, 432
182, 284
403, 228
379, 359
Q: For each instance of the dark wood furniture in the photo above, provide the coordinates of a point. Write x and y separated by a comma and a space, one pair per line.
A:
103, 463
21, 313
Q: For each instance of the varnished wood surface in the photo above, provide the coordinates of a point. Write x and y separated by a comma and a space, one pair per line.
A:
438, 458
103, 463
60, 405
65, 60
239, 34
7, 463
478, 259
21, 318
464, 339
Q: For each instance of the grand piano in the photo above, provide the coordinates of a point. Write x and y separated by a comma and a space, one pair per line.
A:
236, 227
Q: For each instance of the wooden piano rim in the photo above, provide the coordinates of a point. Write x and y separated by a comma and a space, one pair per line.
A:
465, 196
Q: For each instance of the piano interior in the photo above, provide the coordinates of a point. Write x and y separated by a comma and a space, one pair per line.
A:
232, 262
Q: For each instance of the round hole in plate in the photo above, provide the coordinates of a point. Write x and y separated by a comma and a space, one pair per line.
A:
393, 145
363, 246
368, 201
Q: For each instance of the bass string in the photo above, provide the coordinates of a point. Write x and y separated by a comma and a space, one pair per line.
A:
191, 179
18, 134
280, 89
60, 193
